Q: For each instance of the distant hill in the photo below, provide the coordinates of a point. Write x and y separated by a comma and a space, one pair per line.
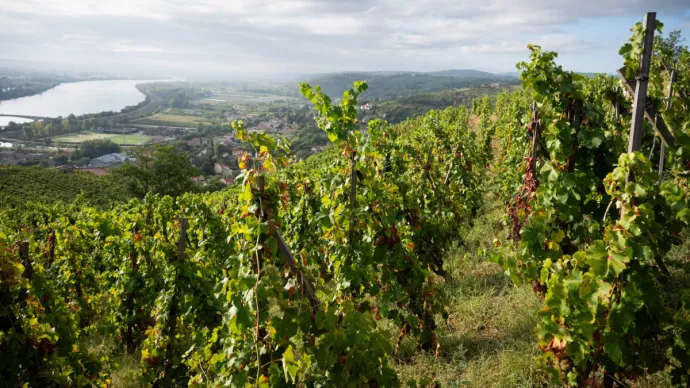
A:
465, 73
398, 84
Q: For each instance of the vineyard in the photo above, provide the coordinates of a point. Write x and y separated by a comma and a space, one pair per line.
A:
299, 274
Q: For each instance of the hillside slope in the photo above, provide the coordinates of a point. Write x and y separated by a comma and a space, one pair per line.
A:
382, 85
21, 185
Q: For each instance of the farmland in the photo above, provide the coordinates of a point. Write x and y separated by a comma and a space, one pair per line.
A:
133, 139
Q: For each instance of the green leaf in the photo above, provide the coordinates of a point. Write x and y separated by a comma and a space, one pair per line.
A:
289, 365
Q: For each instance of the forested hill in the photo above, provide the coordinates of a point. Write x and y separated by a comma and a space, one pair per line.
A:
465, 73
392, 84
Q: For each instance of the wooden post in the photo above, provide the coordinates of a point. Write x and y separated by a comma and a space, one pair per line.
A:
353, 183
427, 167
51, 248
261, 186
668, 105
24, 256
292, 264
287, 254
535, 138
182, 242
659, 126
447, 178
129, 335
640, 101
172, 318
616, 104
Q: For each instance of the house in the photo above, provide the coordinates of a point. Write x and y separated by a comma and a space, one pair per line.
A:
194, 142
13, 157
227, 181
227, 139
238, 151
197, 179
318, 148
222, 169
495, 84
366, 106
109, 160
263, 126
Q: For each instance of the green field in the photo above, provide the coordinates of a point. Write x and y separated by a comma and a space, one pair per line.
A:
119, 139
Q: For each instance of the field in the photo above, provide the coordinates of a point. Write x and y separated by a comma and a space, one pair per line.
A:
119, 139
246, 97
173, 120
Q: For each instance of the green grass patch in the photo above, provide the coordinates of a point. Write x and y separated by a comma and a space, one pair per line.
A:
163, 123
119, 139
487, 340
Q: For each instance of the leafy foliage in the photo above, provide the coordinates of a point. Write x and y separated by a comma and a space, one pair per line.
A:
603, 316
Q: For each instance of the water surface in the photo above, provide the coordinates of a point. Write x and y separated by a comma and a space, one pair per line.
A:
5, 120
77, 98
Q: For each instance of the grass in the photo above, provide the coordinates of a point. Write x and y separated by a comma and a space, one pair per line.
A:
119, 139
130, 139
177, 118
488, 339
173, 120
125, 367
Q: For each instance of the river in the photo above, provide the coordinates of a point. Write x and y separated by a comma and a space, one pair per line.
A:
5, 120
77, 98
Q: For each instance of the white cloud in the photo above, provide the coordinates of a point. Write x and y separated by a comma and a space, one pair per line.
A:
305, 34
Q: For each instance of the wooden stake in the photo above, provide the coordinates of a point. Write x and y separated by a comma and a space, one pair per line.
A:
182, 242
660, 127
353, 183
616, 105
640, 101
535, 138
292, 264
24, 256
174, 308
668, 105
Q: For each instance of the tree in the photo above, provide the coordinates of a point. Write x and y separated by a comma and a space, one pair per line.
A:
669, 50
60, 160
95, 148
161, 170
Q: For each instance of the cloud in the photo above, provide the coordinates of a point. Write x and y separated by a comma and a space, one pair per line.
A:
313, 35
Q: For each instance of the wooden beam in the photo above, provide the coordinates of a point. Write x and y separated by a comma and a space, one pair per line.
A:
662, 155
292, 264
659, 125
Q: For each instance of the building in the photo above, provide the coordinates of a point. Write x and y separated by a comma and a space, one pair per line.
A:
109, 161
238, 151
222, 169
227, 181
194, 142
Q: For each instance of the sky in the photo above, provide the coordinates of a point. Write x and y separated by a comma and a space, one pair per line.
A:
258, 37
